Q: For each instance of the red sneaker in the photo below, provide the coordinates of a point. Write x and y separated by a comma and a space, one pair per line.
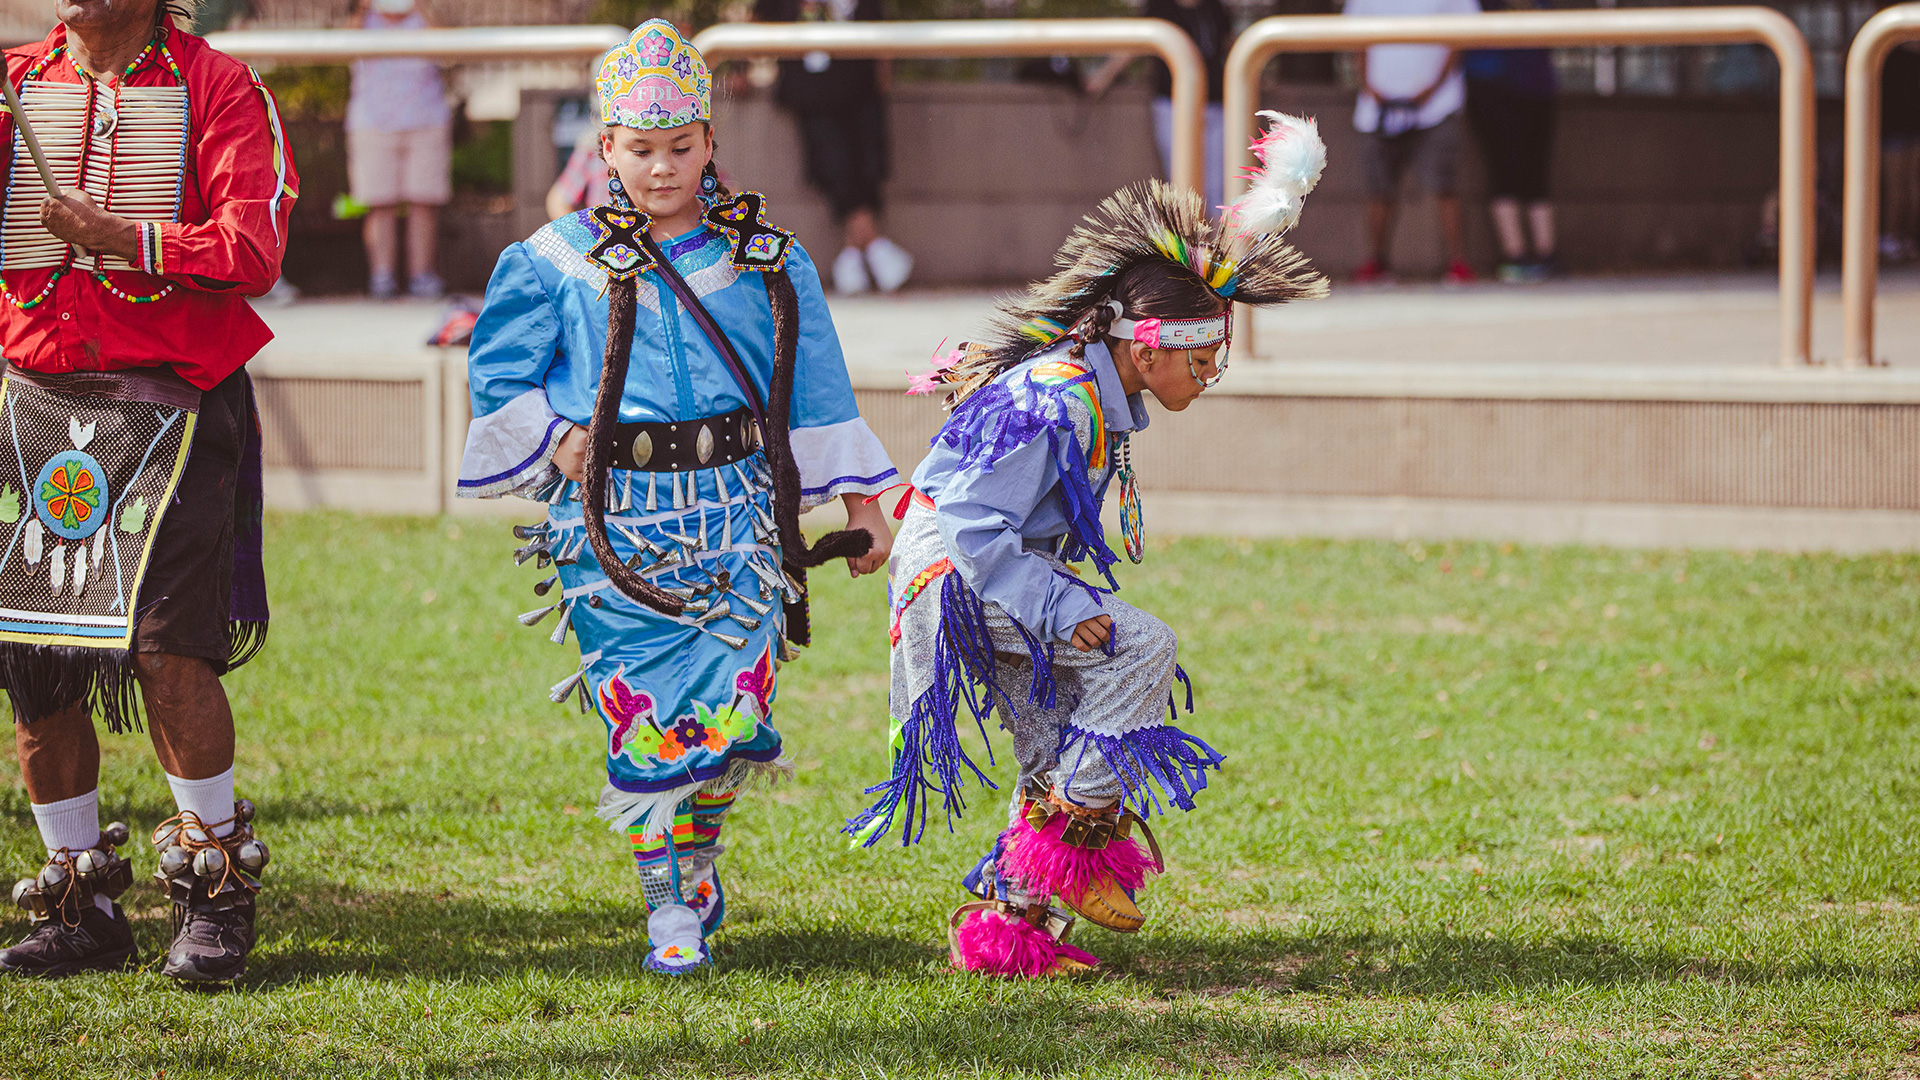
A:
1370, 273
1459, 273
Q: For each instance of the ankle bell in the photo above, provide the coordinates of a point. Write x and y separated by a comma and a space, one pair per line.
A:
73, 878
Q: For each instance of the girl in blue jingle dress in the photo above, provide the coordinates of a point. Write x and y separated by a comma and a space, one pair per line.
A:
674, 500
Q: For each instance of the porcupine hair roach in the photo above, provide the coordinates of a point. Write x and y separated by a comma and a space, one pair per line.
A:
1150, 237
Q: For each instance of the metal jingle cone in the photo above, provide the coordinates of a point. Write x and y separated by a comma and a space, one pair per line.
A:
558, 693
532, 618
747, 623
559, 635
544, 587
750, 603
719, 610
730, 640
174, 861
529, 532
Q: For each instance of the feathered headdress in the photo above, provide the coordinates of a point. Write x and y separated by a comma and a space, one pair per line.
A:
1241, 257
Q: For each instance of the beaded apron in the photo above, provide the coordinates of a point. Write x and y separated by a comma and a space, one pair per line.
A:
89, 465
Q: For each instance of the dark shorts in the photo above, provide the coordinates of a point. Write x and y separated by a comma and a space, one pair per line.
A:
186, 599
847, 154
1432, 155
1515, 133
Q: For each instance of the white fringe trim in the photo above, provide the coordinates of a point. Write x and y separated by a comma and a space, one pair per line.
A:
622, 810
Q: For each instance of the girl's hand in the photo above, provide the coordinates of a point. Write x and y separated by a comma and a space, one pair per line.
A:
570, 457
862, 514
1094, 633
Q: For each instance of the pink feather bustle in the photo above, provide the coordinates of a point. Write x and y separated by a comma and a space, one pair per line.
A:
995, 943
1048, 867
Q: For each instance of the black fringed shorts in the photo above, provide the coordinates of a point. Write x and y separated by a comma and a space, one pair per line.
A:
186, 597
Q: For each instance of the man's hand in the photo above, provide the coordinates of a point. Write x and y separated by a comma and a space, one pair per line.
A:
1094, 633
570, 457
862, 514
73, 217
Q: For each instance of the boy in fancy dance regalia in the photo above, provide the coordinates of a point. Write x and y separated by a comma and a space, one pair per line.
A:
130, 475
986, 605
663, 372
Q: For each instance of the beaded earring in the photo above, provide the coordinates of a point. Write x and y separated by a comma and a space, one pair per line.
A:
617, 190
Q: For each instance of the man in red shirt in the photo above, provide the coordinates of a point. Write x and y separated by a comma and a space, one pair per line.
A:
125, 327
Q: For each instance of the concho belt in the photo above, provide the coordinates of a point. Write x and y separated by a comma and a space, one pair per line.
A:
685, 445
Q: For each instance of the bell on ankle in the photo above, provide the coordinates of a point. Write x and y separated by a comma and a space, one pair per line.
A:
174, 861
252, 855
54, 876
243, 811
116, 834
23, 893
209, 863
90, 864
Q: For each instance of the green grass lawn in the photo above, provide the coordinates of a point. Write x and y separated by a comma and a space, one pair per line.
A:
1487, 812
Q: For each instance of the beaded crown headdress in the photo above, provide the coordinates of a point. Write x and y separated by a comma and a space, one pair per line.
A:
655, 80
1241, 257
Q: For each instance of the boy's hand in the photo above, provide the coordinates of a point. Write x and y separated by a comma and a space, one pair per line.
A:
570, 457
1094, 633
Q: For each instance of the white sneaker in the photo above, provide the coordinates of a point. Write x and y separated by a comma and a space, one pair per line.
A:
850, 273
891, 264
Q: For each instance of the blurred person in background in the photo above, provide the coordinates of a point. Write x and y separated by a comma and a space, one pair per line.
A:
399, 153
1900, 154
583, 183
841, 109
1211, 28
1510, 105
1409, 105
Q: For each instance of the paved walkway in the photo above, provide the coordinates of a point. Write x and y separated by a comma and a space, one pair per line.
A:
1722, 322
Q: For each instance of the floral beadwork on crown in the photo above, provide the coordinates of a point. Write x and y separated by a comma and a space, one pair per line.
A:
655, 80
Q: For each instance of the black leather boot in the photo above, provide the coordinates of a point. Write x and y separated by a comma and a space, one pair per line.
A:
70, 933
212, 882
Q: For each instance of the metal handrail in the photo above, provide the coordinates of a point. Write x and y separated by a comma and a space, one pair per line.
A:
1546, 29
1860, 200
473, 43
953, 39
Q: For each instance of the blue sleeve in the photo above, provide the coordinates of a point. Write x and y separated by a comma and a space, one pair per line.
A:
516, 338
515, 430
822, 392
980, 516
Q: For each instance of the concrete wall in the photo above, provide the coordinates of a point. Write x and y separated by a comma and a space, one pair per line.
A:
989, 177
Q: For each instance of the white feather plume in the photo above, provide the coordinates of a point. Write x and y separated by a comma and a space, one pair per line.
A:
1291, 160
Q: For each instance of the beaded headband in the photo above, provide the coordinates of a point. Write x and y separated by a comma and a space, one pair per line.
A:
1174, 333
655, 80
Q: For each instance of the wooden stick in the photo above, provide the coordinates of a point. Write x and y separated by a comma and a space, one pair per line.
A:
32, 140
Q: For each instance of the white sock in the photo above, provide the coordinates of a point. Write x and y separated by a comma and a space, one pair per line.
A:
73, 824
210, 800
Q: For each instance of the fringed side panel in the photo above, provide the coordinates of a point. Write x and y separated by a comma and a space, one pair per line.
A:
244, 642
1161, 757
929, 739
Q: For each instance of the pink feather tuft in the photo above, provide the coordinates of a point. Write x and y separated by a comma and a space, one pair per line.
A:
998, 944
1047, 867
927, 381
